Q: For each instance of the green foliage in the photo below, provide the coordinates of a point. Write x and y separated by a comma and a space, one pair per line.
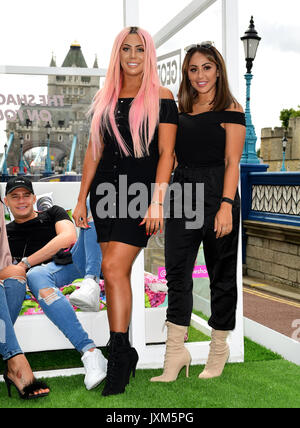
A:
287, 114
147, 301
29, 304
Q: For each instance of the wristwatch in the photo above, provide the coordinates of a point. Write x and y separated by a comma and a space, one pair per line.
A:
26, 262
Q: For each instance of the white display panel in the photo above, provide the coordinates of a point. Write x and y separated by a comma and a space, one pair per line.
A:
219, 14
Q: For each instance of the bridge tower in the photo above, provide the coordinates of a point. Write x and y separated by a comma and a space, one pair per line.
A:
67, 102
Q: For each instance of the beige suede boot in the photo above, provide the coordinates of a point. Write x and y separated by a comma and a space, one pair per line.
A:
218, 355
177, 356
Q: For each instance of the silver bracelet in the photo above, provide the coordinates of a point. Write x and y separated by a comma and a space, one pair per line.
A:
157, 203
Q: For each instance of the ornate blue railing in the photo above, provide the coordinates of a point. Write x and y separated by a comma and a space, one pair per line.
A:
275, 197
271, 197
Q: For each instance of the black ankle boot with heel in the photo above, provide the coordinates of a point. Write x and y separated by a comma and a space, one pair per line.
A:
122, 361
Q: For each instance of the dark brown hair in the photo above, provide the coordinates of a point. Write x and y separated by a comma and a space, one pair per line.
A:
187, 95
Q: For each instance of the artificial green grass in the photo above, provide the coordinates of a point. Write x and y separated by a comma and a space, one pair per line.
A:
271, 384
197, 336
264, 380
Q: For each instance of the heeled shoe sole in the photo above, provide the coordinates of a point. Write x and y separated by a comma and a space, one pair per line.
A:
157, 379
108, 393
132, 370
35, 385
216, 376
122, 390
35, 396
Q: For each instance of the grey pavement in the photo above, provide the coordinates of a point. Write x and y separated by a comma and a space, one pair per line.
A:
272, 287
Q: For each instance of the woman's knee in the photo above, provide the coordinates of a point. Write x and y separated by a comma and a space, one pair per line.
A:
15, 288
16, 285
112, 271
108, 268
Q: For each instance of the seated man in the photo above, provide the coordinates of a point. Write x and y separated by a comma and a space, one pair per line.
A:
87, 252
37, 238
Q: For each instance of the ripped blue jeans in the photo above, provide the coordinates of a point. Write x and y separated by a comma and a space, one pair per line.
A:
44, 281
12, 294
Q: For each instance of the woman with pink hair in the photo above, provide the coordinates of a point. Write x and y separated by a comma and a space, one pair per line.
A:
131, 147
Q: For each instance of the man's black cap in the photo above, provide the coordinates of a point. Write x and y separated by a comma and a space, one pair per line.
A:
17, 182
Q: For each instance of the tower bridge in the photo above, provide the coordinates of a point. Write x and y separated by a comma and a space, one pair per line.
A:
61, 117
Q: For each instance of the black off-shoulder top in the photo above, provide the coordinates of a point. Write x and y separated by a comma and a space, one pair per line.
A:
201, 139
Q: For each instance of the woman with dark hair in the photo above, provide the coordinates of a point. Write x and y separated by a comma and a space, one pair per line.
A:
132, 141
12, 294
209, 146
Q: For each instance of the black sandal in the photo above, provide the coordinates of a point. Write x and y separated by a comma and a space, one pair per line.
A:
28, 392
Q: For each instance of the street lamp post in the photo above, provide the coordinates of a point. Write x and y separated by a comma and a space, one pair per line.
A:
21, 163
48, 168
249, 162
251, 41
4, 167
284, 144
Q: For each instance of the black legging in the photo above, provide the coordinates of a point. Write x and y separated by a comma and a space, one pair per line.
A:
181, 249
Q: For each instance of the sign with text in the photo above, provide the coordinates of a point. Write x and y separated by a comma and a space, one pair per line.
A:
198, 272
169, 70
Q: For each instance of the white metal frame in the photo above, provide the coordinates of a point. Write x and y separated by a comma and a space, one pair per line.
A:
183, 18
51, 71
131, 13
230, 30
153, 356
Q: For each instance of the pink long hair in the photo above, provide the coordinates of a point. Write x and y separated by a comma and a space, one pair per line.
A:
144, 110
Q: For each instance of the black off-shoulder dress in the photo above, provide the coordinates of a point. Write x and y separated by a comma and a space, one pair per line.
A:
121, 172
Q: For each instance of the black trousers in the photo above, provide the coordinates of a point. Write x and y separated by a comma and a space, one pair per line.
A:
181, 249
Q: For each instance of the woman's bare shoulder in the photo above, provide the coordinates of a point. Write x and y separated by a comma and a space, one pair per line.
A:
235, 107
165, 93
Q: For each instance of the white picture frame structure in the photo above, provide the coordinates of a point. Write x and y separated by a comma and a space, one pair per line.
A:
150, 356
153, 355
